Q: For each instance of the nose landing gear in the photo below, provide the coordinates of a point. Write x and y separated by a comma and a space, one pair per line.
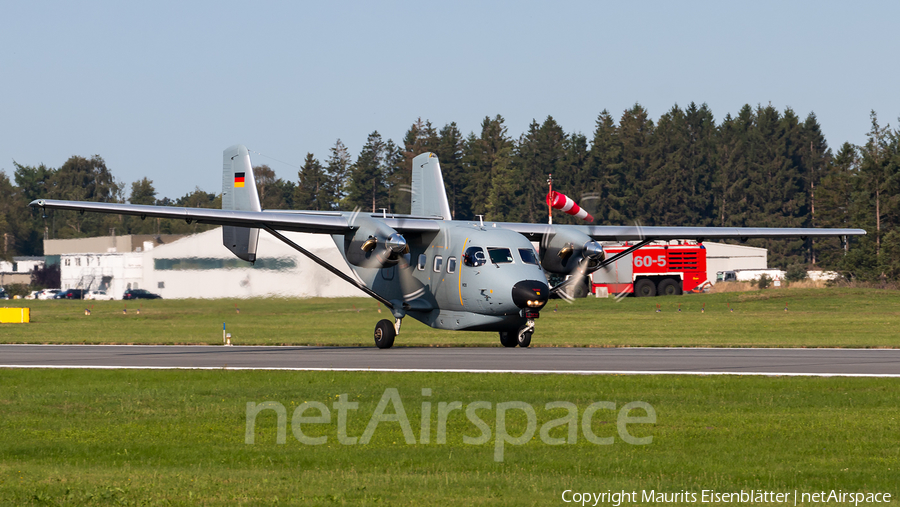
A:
520, 337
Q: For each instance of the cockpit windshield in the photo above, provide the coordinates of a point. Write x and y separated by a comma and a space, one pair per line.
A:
474, 257
527, 255
500, 255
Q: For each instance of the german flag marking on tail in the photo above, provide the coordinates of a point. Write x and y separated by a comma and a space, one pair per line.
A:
238, 180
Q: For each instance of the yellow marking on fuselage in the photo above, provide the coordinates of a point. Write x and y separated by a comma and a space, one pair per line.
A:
459, 281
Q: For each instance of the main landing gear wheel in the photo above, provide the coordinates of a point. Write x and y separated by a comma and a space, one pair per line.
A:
384, 334
508, 338
644, 288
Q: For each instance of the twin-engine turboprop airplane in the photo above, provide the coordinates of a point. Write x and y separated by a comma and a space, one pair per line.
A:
448, 274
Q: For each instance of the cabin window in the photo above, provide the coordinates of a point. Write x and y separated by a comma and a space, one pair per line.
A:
451, 265
500, 255
438, 262
527, 255
423, 261
474, 257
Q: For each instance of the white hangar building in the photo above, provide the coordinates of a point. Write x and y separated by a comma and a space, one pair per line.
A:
199, 266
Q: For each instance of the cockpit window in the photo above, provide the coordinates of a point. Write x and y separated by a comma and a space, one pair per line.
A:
500, 255
527, 255
474, 257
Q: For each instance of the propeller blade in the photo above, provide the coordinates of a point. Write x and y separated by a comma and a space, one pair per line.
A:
410, 286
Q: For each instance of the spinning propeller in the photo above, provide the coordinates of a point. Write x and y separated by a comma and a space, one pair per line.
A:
375, 245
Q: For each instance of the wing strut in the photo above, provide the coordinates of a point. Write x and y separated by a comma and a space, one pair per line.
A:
318, 260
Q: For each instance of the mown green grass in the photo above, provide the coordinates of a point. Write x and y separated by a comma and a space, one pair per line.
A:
815, 318
83, 437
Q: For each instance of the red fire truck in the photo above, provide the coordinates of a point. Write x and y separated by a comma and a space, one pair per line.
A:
664, 269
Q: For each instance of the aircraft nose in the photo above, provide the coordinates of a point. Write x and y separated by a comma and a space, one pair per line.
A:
530, 294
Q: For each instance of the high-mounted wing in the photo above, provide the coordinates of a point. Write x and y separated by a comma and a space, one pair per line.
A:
319, 223
535, 232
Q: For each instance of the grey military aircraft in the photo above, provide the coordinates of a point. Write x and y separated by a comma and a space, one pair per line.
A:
449, 274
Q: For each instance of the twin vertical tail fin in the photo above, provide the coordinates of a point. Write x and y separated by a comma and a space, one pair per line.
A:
429, 197
239, 194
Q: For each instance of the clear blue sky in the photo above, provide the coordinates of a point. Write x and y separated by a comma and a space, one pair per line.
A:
159, 89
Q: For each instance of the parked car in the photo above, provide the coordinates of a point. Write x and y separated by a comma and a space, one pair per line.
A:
140, 294
71, 294
33, 294
48, 294
98, 295
3, 294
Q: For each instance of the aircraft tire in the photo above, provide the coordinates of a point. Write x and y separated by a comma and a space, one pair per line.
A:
524, 339
509, 338
384, 334
668, 287
644, 288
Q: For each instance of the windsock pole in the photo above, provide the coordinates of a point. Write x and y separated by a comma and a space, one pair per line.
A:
549, 205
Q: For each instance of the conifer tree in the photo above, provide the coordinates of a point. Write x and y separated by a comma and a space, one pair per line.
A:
604, 164
314, 190
449, 149
480, 157
338, 169
367, 189
635, 133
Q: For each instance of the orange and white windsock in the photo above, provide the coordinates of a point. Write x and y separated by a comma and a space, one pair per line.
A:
563, 203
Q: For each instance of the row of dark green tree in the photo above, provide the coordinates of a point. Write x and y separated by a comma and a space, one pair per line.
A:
759, 168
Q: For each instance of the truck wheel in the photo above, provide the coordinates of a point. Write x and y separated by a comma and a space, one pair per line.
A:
669, 287
644, 288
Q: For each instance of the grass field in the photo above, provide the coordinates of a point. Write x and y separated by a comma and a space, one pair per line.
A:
815, 318
125, 437
167, 437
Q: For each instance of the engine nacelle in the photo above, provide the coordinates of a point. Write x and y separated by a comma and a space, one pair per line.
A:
563, 250
374, 244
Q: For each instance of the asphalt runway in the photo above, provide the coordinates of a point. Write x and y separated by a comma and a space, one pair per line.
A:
695, 361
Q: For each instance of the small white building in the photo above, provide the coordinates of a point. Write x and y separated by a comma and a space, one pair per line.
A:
110, 263
18, 271
727, 257
112, 272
